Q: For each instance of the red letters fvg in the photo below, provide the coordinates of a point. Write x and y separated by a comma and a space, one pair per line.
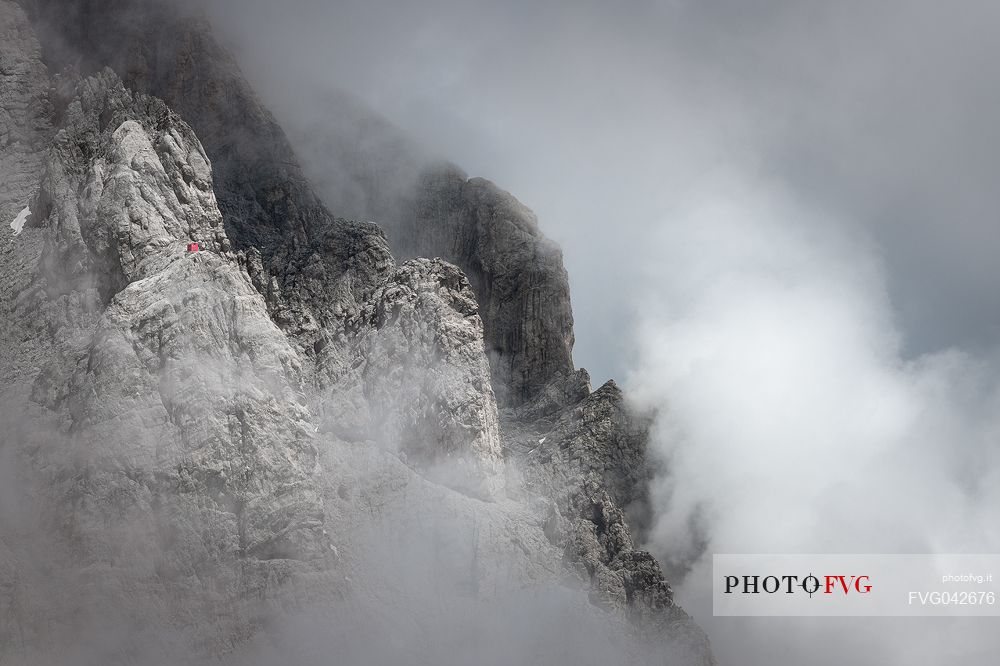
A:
846, 584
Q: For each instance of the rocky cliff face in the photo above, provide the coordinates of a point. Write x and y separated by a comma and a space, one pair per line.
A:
297, 253
431, 208
24, 111
517, 274
205, 452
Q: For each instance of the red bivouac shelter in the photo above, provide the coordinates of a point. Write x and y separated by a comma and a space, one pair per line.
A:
192, 247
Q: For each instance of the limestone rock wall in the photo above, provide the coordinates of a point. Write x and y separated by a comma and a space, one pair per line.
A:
200, 445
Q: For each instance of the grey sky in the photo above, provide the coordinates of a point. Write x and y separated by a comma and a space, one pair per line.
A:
602, 116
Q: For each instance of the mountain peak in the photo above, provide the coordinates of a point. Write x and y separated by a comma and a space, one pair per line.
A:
287, 427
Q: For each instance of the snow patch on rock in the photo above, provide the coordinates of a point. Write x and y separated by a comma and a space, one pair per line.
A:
18, 223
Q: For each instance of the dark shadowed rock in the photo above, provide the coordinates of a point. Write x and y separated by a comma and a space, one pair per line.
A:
516, 272
364, 166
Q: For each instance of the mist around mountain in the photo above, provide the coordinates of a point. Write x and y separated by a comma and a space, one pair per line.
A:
352, 428
311, 439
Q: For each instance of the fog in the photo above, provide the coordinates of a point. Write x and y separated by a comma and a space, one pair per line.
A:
780, 224
604, 118
794, 424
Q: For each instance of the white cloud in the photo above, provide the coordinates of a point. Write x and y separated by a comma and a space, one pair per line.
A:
790, 422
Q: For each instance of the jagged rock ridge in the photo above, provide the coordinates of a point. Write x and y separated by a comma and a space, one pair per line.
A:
251, 417
430, 208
